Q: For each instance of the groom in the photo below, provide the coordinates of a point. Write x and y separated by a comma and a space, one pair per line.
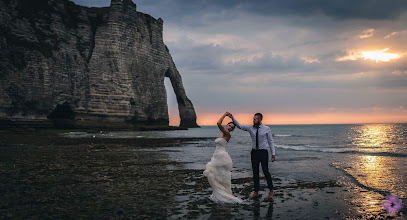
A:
261, 141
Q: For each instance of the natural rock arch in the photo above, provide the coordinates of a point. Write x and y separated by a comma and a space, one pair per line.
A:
109, 63
186, 110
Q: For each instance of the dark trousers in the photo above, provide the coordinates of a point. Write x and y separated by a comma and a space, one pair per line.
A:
260, 157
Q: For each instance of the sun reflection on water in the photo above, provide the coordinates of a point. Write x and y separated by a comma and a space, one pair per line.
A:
374, 137
377, 171
379, 176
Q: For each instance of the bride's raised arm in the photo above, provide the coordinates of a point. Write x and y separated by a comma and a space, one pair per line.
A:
220, 126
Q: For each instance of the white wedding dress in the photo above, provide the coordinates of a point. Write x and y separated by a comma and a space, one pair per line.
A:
219, 175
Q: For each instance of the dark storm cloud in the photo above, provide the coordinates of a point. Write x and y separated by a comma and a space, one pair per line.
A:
273, 64
338, 9
198, 57
210, 59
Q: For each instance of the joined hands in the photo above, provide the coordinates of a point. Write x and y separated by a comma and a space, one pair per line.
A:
229, 114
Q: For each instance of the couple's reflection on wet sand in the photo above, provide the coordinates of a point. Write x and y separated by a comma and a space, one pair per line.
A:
257, 212
230, 212
221, 212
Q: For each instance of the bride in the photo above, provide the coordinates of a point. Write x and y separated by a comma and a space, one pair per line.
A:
218, 169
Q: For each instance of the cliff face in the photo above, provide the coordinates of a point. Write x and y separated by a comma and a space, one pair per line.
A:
105, 64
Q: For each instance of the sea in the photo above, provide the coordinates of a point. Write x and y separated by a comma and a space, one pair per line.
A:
372, 157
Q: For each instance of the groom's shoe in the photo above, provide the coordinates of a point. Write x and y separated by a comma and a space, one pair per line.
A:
270, 196
254, 195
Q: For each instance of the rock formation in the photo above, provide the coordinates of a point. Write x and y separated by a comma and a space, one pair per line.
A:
106, 64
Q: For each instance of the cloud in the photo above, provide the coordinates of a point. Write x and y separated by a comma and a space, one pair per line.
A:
271, 64
367, 33
392, 34
395, 33
181, 11
358, 9
340, 10
399, 72
310, 60
196, 56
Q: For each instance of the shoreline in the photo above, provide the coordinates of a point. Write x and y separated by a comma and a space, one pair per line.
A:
37, 125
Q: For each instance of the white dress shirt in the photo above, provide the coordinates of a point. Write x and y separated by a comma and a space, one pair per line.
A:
264, 137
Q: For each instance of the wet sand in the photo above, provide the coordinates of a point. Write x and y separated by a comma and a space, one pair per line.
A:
47, 176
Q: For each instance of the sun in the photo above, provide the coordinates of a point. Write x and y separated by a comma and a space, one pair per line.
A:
380, 55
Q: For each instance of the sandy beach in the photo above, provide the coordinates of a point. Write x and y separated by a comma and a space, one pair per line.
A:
47, 176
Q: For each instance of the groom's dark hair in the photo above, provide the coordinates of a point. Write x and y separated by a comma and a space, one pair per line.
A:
260, 116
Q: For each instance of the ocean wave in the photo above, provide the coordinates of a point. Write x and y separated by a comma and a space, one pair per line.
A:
295, 135
98, 135
388, 154
283, 135
308, 148
340, 150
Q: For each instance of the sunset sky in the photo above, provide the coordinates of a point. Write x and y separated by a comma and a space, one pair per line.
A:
295, 61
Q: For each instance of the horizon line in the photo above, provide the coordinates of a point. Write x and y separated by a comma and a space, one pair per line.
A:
323, 124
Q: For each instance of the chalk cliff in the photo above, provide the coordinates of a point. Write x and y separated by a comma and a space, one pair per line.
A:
106, 65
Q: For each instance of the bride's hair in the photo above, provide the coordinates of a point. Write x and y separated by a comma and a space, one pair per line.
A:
232, 123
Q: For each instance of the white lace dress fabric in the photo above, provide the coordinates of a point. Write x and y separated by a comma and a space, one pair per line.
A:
219, 175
